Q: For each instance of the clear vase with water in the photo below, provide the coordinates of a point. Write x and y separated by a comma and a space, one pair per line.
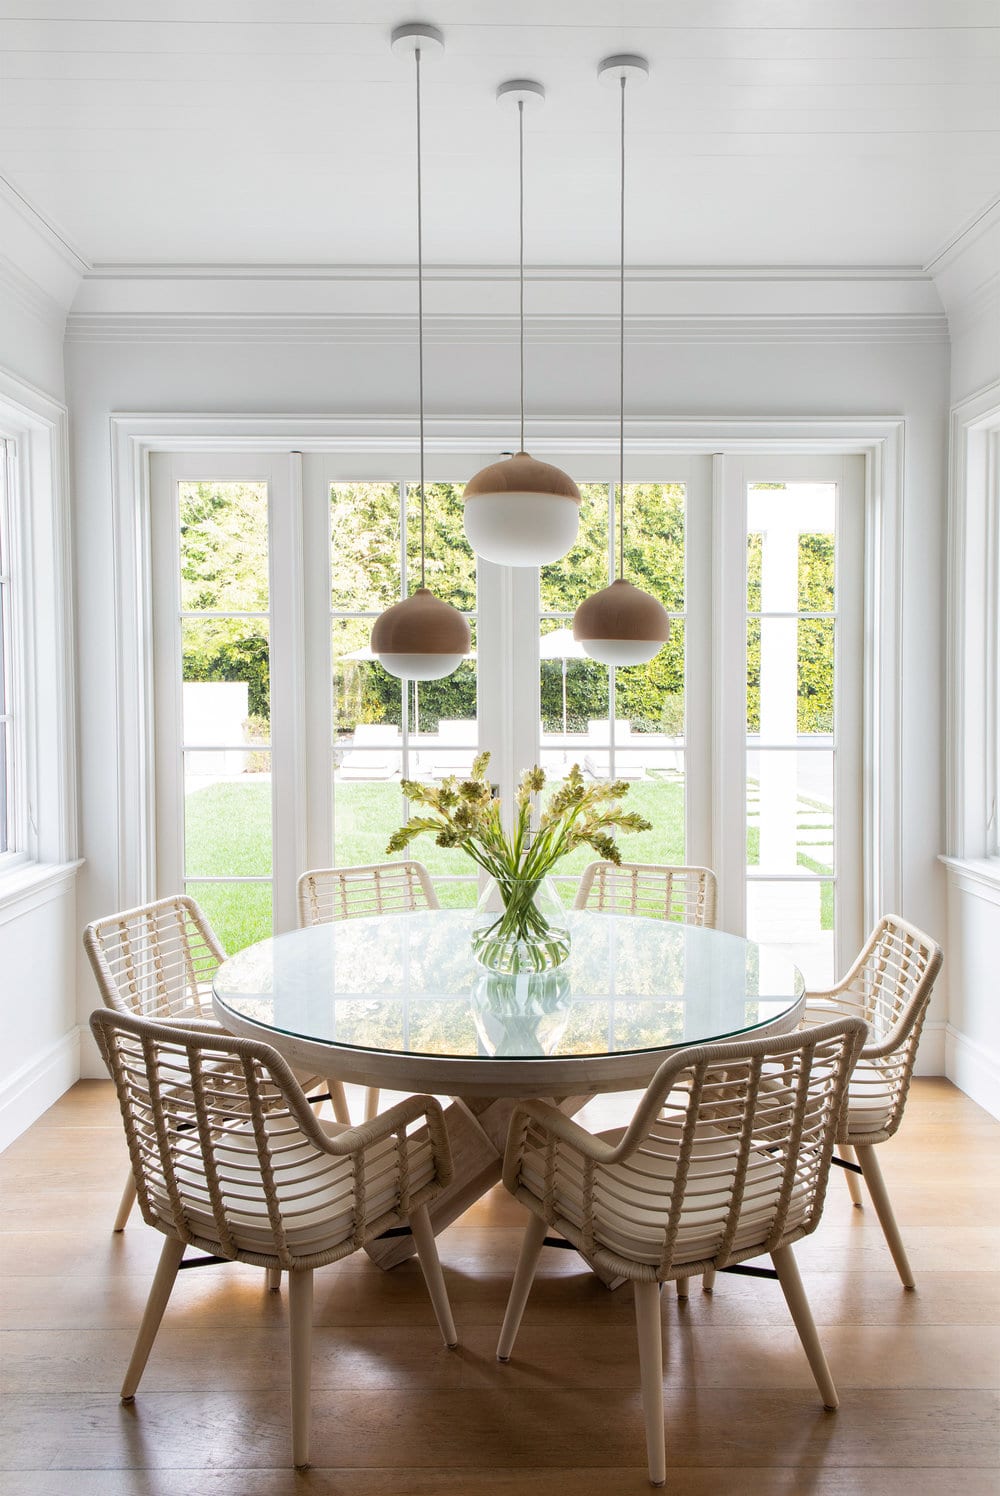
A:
520, 925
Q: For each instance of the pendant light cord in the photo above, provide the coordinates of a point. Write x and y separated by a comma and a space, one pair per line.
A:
621, 347
520, 251
420, 320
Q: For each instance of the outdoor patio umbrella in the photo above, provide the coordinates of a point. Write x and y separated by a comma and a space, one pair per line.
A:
560, 645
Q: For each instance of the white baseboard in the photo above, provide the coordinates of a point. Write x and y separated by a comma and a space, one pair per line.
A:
31, 1090
973, 1068
932, 1051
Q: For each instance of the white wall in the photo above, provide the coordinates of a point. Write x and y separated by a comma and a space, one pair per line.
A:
968, 274
704, 347
40, 1054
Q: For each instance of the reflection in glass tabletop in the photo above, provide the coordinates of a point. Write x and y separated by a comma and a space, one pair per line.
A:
409, 984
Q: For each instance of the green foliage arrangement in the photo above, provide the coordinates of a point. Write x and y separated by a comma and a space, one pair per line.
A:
465, 814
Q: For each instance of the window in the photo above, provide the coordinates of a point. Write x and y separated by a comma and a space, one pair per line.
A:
282, 744
973, 742
616, 722
8, 838
386, 730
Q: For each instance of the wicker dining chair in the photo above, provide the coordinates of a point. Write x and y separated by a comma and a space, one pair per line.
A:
229, 1158
157, 961
332, 893
727, 1157
683, 894
889, 987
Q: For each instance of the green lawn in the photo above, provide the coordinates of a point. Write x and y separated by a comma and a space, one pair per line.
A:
228, 834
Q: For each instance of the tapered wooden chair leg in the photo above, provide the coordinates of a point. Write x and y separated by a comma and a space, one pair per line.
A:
300, 1319
371, 1102
524, 1276
274, 1279
126, 1202
682, 1288
430, 1266
708, 1279
338, 1099
853, 1182
647, 1323
872, 1170
170, 1260
795, 1297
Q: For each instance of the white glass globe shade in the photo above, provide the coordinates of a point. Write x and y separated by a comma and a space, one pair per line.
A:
521, 529
621, 651
420, 666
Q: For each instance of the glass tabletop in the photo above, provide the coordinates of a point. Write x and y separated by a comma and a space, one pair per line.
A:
409, 984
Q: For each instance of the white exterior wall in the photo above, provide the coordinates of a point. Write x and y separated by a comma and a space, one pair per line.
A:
877, 349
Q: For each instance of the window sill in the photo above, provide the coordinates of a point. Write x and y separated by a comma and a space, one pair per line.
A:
29, 884
978, 875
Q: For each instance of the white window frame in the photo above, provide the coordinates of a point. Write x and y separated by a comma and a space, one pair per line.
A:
972, 758
387, 445
42, 689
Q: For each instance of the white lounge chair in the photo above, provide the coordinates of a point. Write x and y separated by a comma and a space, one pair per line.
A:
375, 753
597, 759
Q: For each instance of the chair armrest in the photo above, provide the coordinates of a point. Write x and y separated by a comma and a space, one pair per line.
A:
551, 1122
359, 1139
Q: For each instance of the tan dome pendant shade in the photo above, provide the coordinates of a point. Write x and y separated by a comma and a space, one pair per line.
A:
521, 512
621, 624
420, 638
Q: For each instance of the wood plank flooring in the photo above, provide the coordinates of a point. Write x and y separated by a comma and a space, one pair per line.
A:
394, 1414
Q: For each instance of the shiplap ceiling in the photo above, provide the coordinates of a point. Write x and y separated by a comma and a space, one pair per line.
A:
772, 132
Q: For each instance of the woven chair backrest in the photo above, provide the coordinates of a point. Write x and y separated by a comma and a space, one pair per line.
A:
683, 894
727, 1156
156, 961
334, 893
228, 1156
890, 987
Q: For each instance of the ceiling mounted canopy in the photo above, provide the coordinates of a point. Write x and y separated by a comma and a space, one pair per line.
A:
420, 638
621, 624
521, 512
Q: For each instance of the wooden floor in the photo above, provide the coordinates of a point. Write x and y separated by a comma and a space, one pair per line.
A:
395, 1413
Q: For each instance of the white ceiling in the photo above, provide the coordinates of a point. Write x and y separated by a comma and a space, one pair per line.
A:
772, 132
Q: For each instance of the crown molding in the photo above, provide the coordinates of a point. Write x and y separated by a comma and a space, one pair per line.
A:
965, 267
455, 329
38, 253
32, 298
489, 272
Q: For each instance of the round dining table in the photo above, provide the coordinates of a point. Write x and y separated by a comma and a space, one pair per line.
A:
398, 1001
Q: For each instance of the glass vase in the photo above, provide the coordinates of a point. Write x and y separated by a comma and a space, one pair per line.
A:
520, 925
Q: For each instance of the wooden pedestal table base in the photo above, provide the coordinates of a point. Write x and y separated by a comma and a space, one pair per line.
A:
477, 1132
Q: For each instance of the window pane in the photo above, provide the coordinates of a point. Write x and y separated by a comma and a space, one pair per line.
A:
650, 698
450, 560
227, 815
239, 913
223, 542
584, 569
443, 712
816, 573
227, 681
364, 546
654, 540
795, 919
790, 685
790, 811
570, 680
365, 697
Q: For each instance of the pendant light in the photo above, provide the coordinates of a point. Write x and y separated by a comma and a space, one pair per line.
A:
420, 638
621, 624
521, 512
